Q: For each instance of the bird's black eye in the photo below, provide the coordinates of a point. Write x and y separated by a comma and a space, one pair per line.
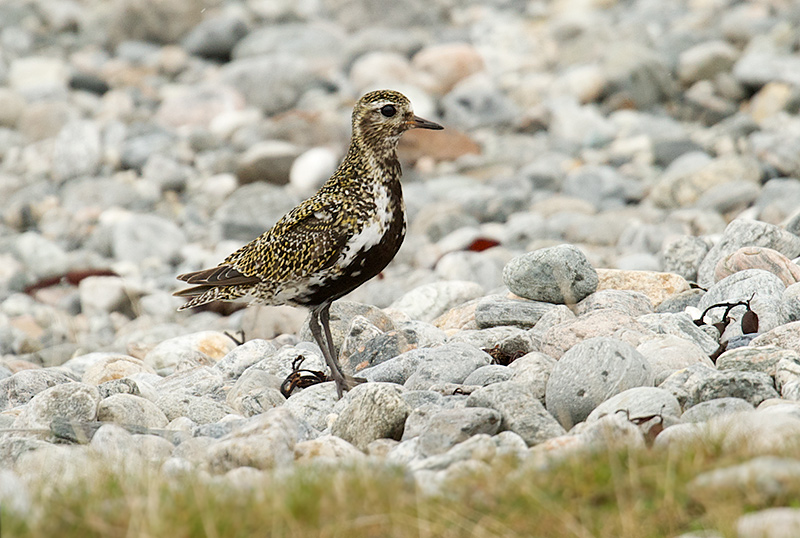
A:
388, 110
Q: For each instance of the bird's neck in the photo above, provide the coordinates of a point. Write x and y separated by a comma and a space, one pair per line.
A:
378, 158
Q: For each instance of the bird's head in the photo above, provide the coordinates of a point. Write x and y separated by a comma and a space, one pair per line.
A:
380, 117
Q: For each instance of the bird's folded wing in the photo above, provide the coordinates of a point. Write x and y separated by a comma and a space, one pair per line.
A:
308, 239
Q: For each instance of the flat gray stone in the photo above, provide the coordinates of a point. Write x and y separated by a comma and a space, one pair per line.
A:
449, 363
633, 303
521, 410
398, 369
700, 383
785, 336
429, 301
449, 427
716, 407
706, 59
342, 315
265, 441
680, 325
215, 37
755, 387
242, 357
418, 398
199, 409
509, 339
478, 447
498, 311
251, 209
755, 359
680, 301
388, 345
603, 186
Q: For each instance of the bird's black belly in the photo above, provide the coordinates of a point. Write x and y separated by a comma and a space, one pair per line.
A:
365, 265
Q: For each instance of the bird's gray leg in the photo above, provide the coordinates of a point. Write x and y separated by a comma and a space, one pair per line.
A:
325, 343
348, 382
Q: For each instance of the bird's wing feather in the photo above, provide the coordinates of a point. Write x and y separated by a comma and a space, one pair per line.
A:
306, 240
222, 275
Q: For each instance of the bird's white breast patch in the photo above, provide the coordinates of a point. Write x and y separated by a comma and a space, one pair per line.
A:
373, 231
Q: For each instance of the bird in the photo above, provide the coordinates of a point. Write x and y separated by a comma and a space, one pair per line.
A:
333, 242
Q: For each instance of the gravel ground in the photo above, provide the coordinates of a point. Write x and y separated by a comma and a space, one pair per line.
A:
598, 161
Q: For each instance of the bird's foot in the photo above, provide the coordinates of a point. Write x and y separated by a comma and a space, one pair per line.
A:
346, 382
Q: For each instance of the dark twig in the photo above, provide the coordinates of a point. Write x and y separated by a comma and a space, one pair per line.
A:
728, 307
238, 339
297, 380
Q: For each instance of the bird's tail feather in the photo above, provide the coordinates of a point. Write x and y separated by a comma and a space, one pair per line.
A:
200, 295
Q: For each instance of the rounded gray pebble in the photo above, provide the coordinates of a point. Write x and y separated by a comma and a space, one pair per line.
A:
371, 411
716, 407
491, 373
130, 409
639, 402
560, 275
71, 401
591, 372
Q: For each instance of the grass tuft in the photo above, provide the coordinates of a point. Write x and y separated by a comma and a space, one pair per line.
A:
614, 493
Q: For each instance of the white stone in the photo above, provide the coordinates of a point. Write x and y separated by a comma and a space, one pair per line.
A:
311, 169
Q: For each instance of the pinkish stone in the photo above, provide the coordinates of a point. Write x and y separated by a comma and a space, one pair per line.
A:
758, 258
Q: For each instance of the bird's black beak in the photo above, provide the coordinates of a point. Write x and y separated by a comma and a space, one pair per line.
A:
418, 123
